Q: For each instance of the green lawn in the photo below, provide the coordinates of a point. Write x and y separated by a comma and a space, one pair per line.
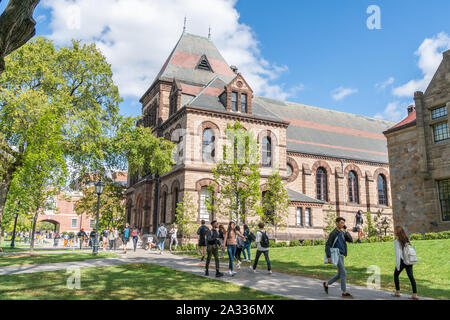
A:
129, 282
25, 259
432, 273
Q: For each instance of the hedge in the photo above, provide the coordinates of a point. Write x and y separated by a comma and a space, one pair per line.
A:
272, 244
430, 236
319, 242
372, 239
307, 243
281, 244
444, 235
294, 243
416, 236
387, 238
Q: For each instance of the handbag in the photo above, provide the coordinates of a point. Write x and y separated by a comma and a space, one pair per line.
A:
334, 254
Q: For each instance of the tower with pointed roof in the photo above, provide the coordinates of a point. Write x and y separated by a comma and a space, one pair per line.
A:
329, 160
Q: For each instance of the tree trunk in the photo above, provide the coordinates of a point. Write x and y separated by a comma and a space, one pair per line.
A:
16, 27
4, 189
33, 231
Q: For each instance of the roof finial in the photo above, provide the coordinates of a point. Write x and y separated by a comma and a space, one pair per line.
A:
209, 33
184, 27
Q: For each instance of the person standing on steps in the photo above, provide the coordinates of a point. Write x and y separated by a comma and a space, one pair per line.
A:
230, 242
401, 243
359, 225
262, 243
337, 239
202, 231
213, 240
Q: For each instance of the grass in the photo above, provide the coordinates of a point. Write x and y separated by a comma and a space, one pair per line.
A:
432, 273
27, 259
125, 282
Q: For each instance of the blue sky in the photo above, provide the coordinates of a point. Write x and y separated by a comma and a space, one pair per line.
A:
319, 52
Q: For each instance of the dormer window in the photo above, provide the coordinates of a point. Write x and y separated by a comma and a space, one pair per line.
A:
244, 103
203, 64
234, 101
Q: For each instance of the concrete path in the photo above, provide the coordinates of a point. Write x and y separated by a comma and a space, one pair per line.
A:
295, 287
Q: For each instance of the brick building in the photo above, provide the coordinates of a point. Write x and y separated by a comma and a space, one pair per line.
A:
64, 217
419, 157
328, 159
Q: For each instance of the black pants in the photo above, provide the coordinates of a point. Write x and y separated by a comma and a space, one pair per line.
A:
212, 250
409, 271
266, 255
238, 254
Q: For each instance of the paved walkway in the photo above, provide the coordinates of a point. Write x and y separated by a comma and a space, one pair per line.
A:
295, 287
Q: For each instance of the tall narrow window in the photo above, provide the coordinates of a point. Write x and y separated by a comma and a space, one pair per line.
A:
441, 132
208, 149
234, 101
74, 223
180, 149
266, 152
321, 182
307, 217
244, 103
175, 202
298, 217
382, 190
164, 207
444, 198
353, 187
205, 196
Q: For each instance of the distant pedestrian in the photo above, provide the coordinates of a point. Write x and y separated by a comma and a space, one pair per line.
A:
248, 242
239, 247
161, 233
111, 239
202, 231
337, 239
105, 238
126, 232
221, 237
173, 237
135, 235
262, 247
403, 255
212, 241
93, 238
81, 237
230, 241
359, 225
116, 237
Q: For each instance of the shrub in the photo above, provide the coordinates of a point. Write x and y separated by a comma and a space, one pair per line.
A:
387, 238
306, 243
272, 244
444, 235
281, 244
319, 242
416, 236
294, 243
364, 240
431, 236
372, 239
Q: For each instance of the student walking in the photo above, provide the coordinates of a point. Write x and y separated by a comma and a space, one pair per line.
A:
202, 231
161, 233
111, 239
262, 247
247, 244
173, 237
212, 241
231, 242
359, 225
239, 247
116, 236
402, 257
221, 237
135, 235
125, 237
337, 239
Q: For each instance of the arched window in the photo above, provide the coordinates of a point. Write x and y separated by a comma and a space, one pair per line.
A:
266, 152
208, 149
382, 190
299, 217
289, 170
321, 182
307, 217
164, 207
175, 202
205, 195
353, 187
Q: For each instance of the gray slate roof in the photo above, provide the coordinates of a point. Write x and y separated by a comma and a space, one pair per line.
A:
300, 197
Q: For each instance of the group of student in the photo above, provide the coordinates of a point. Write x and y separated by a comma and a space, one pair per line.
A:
235, 242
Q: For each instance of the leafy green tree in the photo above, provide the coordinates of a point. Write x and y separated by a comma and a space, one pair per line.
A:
237, 177
382, 224
329, 221
275, 203
185, 217
72, 89
370, 229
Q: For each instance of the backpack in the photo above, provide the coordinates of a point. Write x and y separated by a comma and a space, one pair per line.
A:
409, 255
162, 232
264, 240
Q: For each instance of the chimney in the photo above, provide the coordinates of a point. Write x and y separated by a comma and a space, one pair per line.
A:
411, 108
234, 69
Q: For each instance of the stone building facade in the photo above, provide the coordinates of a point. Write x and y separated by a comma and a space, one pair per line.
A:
419, 158
329, 160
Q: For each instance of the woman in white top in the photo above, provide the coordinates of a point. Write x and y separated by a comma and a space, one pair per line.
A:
173, 237
399, 243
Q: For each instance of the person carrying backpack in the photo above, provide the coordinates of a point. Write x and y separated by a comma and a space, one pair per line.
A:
212, 241
262, 242
248, 243
135, 236
405, 258
239, 247
202, 231
125, 237
161, 234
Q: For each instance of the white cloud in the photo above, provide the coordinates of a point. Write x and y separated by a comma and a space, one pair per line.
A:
341, 92
386, 83
430, 56
395, 111
137, 36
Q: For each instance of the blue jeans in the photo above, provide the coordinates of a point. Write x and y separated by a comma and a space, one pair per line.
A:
161, 242
341, 274
135, 240
246, 248
231, 249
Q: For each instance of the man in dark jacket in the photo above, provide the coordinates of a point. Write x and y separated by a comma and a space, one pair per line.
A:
337, 239
202, 232
212, 241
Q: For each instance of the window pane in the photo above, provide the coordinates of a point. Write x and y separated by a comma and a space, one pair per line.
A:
321, 182
267, 152
244, 103
352, 187
439, 112
288, 170
92, 223
299, 217
444, 198
308, 217
441, 132
382, 194
204, 196
208, 150
74, 223
234, 101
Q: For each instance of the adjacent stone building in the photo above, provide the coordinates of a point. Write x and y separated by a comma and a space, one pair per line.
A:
419, 158
329, 160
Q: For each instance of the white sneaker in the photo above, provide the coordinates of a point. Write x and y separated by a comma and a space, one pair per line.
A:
233, 273
230, 273
251, 269
270, 272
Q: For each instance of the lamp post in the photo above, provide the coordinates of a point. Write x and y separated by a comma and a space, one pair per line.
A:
98, 189
15, 223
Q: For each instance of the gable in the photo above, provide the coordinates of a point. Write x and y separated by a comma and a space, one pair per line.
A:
440, 84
